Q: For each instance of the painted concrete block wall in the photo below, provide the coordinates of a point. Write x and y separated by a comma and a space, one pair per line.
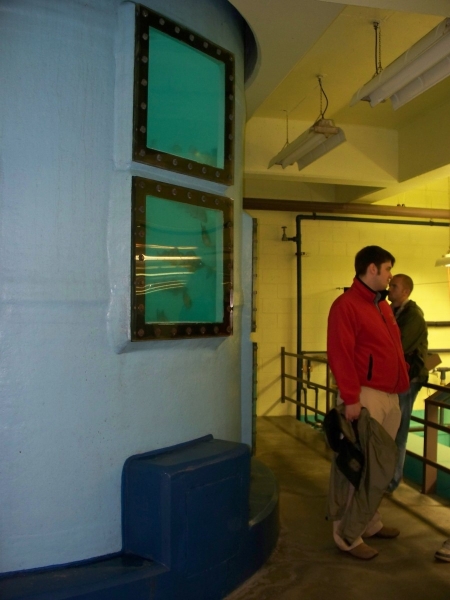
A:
330, 267
76, 397
435, 194
246, 326
276, 309
332, 247
327, 268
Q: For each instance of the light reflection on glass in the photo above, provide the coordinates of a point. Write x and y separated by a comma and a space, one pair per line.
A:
183, 256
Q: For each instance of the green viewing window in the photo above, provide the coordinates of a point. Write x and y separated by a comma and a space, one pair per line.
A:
182, 262
183, 100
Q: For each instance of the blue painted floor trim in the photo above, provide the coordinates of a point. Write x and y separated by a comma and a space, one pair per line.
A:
129, 577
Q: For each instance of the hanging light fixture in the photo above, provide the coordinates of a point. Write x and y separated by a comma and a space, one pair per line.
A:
316, 141
418, 69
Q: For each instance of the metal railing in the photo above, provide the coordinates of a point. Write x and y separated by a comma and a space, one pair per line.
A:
431, 424
305, 365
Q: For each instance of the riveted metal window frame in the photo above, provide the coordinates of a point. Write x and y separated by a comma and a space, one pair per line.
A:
140, 330
146, 18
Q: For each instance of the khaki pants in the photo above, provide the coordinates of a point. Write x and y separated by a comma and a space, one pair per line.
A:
385, 409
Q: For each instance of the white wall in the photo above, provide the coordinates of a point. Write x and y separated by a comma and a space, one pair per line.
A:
76, 398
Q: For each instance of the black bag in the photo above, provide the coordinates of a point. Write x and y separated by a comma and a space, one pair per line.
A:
342, 437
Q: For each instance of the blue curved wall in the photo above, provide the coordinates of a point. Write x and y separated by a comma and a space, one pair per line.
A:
198, 519
77, 398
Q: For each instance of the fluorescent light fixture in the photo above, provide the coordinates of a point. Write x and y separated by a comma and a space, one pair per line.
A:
316, 141
426, 63
444, 261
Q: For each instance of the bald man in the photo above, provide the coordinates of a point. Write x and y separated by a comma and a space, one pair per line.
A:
414, 334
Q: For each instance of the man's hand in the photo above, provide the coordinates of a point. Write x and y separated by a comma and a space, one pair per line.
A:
352, 411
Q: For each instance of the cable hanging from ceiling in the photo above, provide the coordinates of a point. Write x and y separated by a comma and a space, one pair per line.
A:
378, 67
321, 96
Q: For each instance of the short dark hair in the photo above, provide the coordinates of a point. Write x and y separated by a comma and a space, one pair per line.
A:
371, 254
406, 281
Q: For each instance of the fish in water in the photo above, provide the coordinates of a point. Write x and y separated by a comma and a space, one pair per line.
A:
210, 271
194, 265
196, 212
205, 236
187, 300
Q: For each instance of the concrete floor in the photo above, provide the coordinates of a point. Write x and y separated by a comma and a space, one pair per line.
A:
306, 565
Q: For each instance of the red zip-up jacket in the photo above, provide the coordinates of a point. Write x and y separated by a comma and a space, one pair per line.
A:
364, 346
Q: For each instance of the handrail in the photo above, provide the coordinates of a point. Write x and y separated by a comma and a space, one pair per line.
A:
432, 422
306, 384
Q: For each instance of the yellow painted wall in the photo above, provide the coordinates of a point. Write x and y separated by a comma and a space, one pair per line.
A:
435, 194
423, 146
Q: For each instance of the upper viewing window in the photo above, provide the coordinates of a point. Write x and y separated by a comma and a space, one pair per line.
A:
183, 100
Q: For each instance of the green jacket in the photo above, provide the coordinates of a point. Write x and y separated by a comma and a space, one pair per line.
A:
414, 334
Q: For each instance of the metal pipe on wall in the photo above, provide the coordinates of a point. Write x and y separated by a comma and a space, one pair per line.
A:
345, 209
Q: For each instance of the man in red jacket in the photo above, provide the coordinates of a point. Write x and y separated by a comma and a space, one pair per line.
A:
366, 357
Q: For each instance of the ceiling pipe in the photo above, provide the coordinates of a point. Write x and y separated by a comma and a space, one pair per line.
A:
345, 209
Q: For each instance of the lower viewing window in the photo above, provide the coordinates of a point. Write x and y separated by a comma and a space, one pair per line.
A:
182, 262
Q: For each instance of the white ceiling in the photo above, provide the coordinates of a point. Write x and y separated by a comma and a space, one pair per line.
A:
300, 39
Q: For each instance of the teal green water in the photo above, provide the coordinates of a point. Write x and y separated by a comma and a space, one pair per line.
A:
186, 101
414, 468
183, 263
443, 437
